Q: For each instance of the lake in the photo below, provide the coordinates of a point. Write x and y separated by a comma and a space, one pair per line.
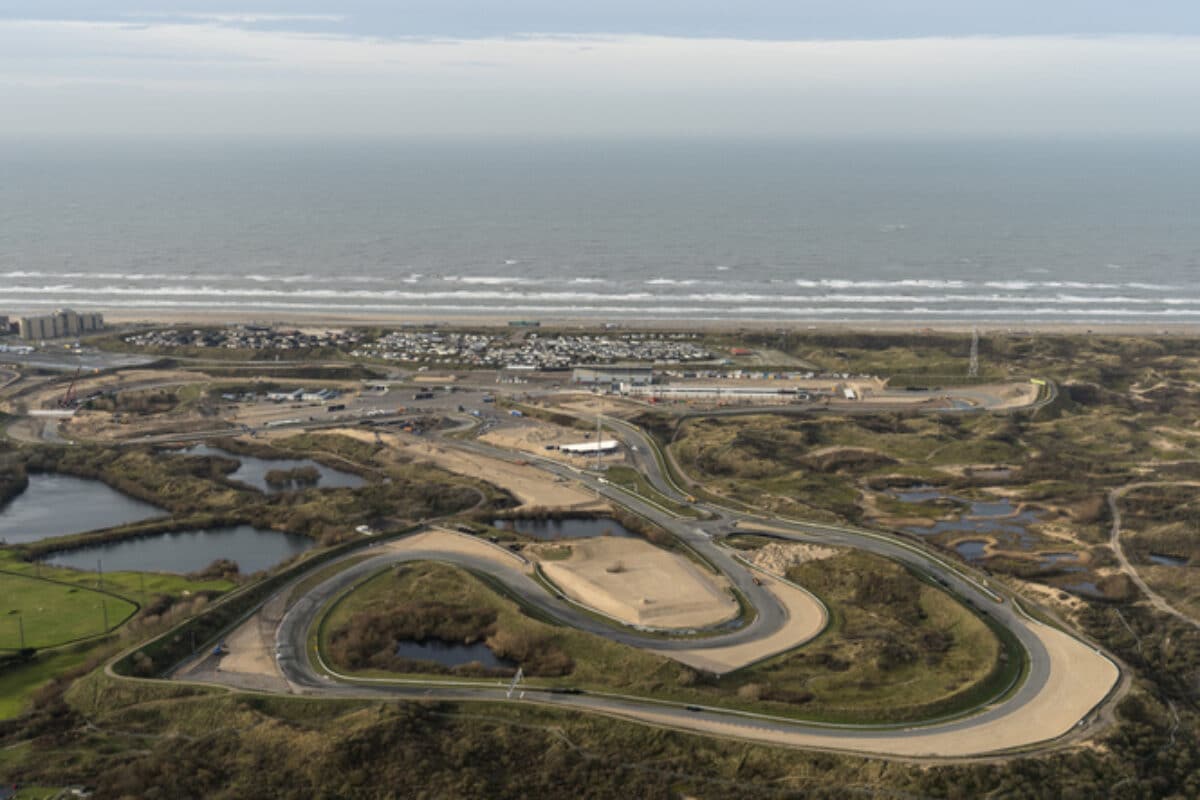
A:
58, 505
188, 551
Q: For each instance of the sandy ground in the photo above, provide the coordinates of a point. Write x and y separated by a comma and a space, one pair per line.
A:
640, 584
533, 487
331, 319
806, 619
28, 429
777, 557
454, 542
126, 380
250, 658
532, 436
608, 406
1004, 395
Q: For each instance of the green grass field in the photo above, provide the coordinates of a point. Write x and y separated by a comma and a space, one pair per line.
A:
136, 586
54, 613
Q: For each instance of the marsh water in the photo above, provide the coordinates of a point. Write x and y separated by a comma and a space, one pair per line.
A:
59, 505
569, 528
1000, 518
253, 550
1167, 561
253, 470
971, 549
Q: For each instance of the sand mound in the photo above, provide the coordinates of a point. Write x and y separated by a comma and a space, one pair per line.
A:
777, 557
640, 584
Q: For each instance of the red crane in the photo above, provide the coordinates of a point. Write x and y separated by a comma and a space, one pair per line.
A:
68, 399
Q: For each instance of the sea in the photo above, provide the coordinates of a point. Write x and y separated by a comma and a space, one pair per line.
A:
986, 232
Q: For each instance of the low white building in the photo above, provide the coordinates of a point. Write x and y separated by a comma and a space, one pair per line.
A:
591, 448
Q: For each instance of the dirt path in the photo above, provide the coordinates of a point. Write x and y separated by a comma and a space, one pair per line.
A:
1114, 542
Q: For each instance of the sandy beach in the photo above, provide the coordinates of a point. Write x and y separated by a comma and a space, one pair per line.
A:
324, 320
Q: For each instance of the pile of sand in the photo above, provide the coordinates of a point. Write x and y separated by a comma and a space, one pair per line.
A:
777, 557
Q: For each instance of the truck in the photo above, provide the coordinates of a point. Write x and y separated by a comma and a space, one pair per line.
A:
423, 395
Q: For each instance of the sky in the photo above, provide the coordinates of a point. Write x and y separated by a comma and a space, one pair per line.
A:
564, 68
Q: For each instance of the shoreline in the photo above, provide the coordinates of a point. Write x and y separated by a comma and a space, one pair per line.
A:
327, 319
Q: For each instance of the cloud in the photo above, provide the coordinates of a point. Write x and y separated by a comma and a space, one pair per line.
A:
236, 18
328, 83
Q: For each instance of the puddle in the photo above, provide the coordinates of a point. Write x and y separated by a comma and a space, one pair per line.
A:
1167, 561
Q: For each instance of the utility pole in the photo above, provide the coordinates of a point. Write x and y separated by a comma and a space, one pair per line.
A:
973, 368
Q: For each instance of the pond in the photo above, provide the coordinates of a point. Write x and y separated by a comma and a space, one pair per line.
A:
58, 505
187, 551
253, 470
569, 528
1084, 587
1168, 561
972, 549
452, 654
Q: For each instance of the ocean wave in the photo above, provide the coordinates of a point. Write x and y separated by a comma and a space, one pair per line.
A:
839, 283
68, 292
673, 310
487, 280
259, 279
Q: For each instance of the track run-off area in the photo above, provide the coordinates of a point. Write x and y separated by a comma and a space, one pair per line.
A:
1066, 686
